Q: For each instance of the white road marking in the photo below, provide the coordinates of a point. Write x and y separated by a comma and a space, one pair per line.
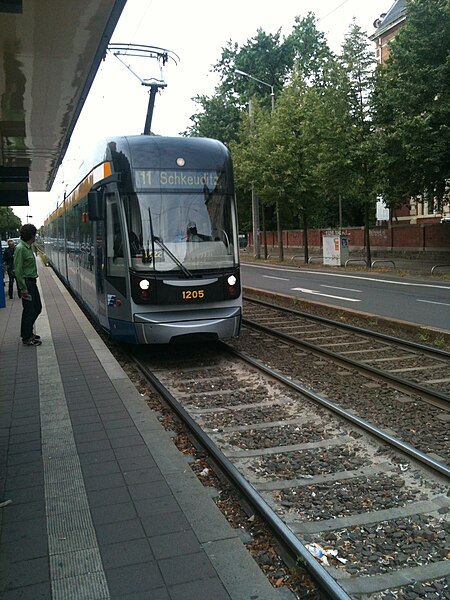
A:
333, 287
270, 277
431, 302
316, 293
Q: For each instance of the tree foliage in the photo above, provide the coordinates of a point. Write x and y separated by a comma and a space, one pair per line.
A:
9, 223
274, 153
358, 63
412, 104
310, 51
340, 130
267, 58
218, 118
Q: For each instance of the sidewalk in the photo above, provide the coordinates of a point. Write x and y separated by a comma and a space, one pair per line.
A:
399, 266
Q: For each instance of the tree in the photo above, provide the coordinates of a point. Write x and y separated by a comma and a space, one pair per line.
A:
327, 135
412, 102
297, 156
287, 176
265, 57
358, 63
309, 48
275, 159
9, 223
219, 119
317, 144
247, 162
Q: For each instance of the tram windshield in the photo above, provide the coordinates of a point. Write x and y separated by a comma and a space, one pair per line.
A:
181, 231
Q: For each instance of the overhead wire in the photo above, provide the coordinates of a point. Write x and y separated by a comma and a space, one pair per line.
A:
133, 36
333, 11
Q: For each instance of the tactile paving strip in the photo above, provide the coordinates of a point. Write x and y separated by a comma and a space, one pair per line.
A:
75, 564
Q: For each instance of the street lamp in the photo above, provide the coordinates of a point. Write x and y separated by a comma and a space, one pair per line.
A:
255, 202
272, 93
29, 217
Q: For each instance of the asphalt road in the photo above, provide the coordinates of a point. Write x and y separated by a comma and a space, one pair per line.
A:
416, 300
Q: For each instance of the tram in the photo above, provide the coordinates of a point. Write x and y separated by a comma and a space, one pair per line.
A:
147, 240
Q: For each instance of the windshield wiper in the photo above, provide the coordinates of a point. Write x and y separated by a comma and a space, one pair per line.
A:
173, 257
162, 245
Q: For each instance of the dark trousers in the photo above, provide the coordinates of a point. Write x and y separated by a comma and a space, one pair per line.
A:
11, 283
31, 309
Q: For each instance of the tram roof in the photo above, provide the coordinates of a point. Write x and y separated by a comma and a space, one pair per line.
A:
50, 51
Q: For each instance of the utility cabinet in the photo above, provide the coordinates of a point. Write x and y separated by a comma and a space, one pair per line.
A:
335, 249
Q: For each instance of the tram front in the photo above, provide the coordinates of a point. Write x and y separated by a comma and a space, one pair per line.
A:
183, 247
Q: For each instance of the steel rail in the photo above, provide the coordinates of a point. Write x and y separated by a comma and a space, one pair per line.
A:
355, 329
404, 384
280, 529
372, 429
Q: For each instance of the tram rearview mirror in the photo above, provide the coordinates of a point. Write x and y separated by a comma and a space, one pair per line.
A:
95, 206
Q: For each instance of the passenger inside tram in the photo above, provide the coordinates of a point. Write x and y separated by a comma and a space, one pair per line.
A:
192, 233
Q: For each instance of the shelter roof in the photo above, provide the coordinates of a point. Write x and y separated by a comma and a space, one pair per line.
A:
50, 51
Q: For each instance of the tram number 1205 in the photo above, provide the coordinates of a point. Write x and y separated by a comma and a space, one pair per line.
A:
193, 294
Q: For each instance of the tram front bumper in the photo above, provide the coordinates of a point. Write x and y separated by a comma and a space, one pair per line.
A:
164, 327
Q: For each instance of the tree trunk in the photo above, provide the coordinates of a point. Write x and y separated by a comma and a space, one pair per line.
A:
280, 235
367, 236
305, 236
255, 219
263, 214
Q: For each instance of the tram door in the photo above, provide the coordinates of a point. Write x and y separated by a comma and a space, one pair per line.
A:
72, 253
116, 267
98, 240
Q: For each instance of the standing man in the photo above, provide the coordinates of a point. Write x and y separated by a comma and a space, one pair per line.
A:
26, 275
8, 261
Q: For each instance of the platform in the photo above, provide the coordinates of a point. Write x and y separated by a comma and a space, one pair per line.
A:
98, 503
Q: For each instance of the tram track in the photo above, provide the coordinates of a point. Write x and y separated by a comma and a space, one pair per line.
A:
341, 342
315, 478
408, 416
393, 441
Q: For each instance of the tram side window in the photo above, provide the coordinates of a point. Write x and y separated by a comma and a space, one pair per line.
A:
72, 234
86, 248
115, 264
61, 234
115, 237
134, 225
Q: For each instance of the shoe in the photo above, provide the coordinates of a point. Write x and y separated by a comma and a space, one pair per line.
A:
32, 342
36, 337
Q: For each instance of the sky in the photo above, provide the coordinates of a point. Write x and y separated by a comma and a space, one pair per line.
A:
196, 31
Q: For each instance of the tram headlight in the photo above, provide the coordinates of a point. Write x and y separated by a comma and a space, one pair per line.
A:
142, 289
232, 286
